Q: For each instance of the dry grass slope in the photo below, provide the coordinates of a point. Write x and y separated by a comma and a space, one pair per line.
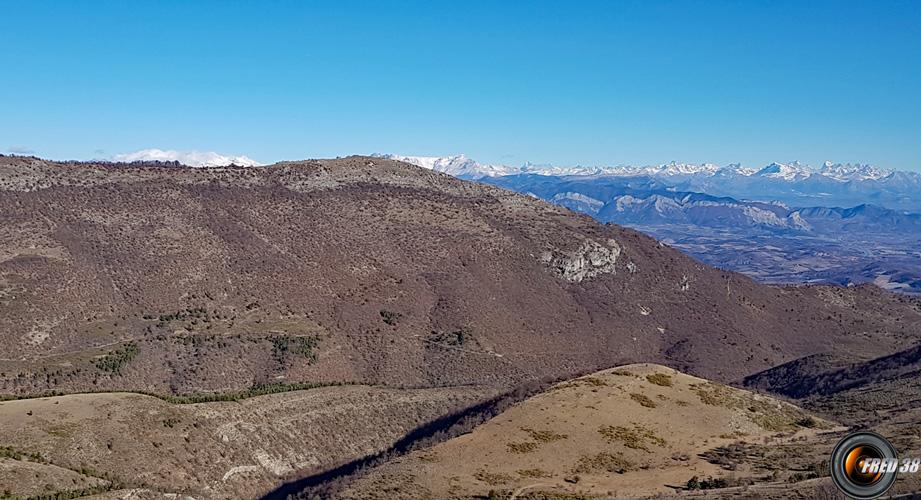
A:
219, 450
591, 437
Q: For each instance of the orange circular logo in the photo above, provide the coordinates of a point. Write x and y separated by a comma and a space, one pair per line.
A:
863, 465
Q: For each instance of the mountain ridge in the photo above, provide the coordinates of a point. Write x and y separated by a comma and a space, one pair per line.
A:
362, 270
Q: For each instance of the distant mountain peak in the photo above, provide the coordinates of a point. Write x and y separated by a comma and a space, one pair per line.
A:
458, 165
849, 172
787, 171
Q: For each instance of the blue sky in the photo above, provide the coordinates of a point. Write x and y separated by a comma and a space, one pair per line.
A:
589, 83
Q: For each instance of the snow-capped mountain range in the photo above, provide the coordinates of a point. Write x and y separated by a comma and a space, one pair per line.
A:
832, 184
461, 165
190, 158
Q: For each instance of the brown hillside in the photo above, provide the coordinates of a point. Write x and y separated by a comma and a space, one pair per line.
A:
629, 432
219, 450
180, 280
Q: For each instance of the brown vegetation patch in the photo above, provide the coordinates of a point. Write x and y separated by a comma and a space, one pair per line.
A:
523, 447
544, 436
603, 462
636, 438
547, 495
491, 478
662, 379
643, 400
533, 473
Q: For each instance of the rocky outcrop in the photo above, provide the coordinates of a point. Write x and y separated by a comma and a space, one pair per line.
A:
590, 260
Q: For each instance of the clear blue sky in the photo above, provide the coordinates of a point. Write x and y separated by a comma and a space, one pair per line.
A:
604, 82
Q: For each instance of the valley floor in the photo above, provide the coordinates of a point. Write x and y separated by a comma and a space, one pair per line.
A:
889, 261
